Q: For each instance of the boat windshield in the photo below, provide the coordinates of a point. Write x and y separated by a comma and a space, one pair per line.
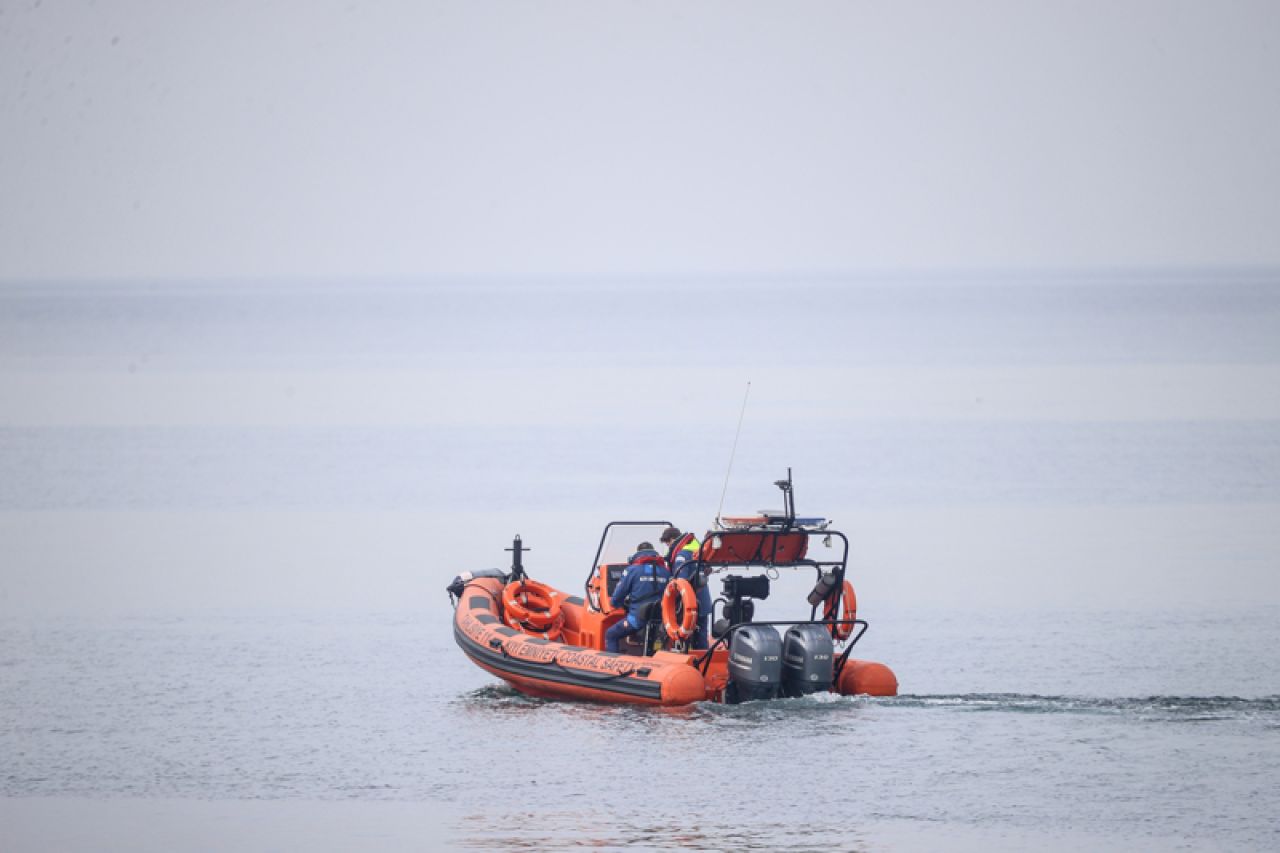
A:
621, 538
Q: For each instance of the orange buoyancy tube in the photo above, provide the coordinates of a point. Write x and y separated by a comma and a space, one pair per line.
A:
844, 630
679, 628
532, 607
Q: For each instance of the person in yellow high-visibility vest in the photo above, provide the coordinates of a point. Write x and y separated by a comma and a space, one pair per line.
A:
682, 557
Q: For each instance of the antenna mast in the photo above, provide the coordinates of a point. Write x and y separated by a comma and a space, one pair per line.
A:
732, 453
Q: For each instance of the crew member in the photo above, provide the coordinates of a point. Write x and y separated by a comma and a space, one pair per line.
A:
639, 589
682, 557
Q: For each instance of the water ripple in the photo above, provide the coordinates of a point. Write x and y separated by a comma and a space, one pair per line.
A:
1190, 708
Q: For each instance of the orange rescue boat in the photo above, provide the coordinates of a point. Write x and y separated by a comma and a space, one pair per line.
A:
547, 643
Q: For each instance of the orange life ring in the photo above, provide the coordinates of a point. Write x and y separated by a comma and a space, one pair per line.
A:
682, 629
844, 630
532, 607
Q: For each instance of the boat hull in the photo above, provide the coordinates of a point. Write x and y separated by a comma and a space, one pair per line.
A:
564, 669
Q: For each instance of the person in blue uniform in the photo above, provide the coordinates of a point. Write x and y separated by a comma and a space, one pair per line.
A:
682, 557
641, 585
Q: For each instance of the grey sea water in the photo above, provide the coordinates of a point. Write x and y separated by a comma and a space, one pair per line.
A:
228, 514
1119, 729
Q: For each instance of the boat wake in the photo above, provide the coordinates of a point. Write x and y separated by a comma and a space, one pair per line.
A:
1170, 708
1173, 709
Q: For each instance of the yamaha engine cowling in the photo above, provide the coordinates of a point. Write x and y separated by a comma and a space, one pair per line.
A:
807, 653
755, 664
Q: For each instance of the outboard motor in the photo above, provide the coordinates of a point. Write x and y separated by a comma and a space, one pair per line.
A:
807, 658
755, 664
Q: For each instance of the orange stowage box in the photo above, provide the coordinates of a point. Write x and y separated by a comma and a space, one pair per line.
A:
586, 627
751, 546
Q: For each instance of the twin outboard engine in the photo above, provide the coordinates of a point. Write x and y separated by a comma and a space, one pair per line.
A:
807, 659
764, 666
755, 664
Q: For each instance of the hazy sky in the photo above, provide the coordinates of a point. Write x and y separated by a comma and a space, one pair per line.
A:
541, 140
408, 139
